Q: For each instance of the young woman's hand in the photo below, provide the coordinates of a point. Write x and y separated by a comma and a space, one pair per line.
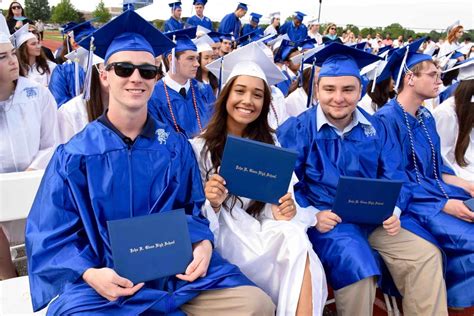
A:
215, 191
286, 210
327, 220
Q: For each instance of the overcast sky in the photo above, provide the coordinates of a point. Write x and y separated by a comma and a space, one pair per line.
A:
417, 14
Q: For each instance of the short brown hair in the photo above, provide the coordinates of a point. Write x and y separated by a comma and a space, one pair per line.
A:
416, 69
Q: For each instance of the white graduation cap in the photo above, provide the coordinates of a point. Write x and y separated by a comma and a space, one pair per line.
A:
202, 30
313, 21
275, 44
300, 58
21, 35
248, 60
203, 43
466, 69
265, 49
452, 26
79, 56
4, 32
274, 15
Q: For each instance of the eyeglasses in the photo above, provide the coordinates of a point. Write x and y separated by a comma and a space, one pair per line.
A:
16, 7
332, 28
434, 75
125, 70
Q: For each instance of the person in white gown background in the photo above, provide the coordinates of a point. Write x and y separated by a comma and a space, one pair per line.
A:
267, 242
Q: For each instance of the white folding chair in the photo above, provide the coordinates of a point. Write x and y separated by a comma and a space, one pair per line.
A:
17, 192
15, 297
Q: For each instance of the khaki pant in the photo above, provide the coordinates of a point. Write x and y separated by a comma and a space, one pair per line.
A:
416, 267
238, 301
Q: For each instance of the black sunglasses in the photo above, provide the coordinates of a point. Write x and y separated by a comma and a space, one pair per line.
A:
16, 7
125, 70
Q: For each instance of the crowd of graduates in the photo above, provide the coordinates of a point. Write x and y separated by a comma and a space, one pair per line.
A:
127, 121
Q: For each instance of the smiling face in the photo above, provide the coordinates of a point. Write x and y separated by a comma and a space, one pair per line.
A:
9, 69
131, 93
244, 103
338, 97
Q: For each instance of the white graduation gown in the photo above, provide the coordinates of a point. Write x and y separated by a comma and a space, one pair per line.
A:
367, 104
42, 79
28, 125
448, 129
296, 102
277, 114
271, 253
72, 118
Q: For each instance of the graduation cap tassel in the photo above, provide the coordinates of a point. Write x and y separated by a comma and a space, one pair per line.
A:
173, 57
87, 81
375, 80
77, 88
220, 76
309, 101
402, 68
301, 72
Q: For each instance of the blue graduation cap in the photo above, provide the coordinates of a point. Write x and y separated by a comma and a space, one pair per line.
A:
338, 60
307, 43
216, 36
255, 17
227, 36
249, 37
127, 32
299, 15
183, 39
82, 30
403, 59
242, 5
384, 49
65, 28
175, 5
466, 70
128, 6
201, 2
284, 50
360, 46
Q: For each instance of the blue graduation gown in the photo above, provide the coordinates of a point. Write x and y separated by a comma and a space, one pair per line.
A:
230, 24
285, 85
94, 178
296, 34
204, 22
454, 236
448, 92
323, 157
62, 84
247, 28
173, 25
183, 108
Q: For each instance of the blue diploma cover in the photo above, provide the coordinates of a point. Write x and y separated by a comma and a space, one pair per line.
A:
256, 170
470, 204
365, 201
146, 248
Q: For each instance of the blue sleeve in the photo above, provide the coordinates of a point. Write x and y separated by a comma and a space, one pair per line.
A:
168, 27
62, 84
227, 25
284, 28
56, 240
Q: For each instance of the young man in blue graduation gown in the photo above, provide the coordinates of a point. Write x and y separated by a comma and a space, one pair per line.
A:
282, 59
199, 18
231, 22
253, 25
295, 29
438, 195
179, 100
122, 165
336, 138
174, 23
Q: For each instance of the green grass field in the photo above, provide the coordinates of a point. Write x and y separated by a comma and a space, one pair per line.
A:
53, 35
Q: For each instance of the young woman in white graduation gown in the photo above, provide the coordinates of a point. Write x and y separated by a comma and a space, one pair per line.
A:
267, 242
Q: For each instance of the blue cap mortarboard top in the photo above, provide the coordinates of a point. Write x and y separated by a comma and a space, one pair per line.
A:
203, 2
82, 30
299, 15
339, 60
216, 36
242, 5
360, 46
67, 27
249, 37
227, 36
183, 39
284, 50
127, 32
255, 17
384, 49
175, 5
307, 43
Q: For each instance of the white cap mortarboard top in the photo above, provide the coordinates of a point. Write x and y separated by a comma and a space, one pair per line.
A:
80, 56
466, 69
274, 15
452, 26
21, 36
202, 30
203, 43
249, 60
4, 31
313, 21
300, 58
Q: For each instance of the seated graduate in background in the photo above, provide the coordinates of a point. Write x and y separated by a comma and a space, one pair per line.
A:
199, 18
252, 26
29, 134
206, 56
336, 138
267, 242
455, 124
174, 23
282, 59
74, 115
437, 193
88, 183
230, 24
179, 100
67, 81
295, 28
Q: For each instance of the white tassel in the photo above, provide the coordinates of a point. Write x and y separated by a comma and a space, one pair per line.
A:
173, 57
87, 80
402, 68
77, 86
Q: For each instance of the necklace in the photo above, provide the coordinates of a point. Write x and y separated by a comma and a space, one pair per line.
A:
173, 117
274, 112
419, 116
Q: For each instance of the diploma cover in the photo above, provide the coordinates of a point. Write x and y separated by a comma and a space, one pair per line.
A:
149, 247
470, 204
364, 200
256, 170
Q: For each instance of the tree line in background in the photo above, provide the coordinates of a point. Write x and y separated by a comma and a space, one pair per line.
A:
65, 12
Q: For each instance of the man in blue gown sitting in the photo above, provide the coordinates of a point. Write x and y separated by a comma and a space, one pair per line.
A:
174, 23
337, 138
126, 164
